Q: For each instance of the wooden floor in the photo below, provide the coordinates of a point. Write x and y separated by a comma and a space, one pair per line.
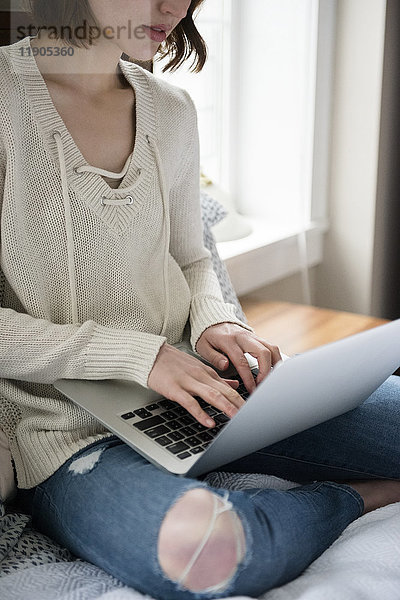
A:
296, 328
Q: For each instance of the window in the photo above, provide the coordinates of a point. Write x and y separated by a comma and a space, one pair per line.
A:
263, 102
209, 89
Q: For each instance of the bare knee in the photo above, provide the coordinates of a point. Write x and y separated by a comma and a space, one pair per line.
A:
201, 541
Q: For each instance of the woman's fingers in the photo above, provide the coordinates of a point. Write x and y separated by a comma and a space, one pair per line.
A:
272, 357
215, 393
233, 341
241, 365
181, 378
231, 384
187, 401
210, 395
217, 398
267, 355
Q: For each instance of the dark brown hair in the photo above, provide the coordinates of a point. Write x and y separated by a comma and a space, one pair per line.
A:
181, 43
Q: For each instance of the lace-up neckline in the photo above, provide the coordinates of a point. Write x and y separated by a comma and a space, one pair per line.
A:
109, 174
114, 175
86, 180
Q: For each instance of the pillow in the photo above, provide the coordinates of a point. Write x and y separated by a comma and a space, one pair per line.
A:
213, 212
7, 480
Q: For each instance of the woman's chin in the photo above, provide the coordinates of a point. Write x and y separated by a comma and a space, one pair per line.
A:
142, 55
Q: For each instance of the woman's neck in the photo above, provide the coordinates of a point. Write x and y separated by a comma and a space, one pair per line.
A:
90, 72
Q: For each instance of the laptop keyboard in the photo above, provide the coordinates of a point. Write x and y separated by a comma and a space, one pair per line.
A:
172, 427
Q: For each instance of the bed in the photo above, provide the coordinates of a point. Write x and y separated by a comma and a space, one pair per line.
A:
362, 564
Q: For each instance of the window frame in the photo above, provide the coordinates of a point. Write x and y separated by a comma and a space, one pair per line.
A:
286, 250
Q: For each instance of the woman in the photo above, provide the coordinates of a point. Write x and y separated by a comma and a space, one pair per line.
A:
102, 264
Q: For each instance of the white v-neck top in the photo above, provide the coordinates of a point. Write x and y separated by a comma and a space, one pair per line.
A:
93, 280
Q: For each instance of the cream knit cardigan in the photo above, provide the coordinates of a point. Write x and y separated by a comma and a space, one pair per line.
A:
93, 280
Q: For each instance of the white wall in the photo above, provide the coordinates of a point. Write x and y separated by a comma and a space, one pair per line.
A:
344, 280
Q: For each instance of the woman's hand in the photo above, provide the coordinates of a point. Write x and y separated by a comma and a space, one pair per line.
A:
178, 377
230, 340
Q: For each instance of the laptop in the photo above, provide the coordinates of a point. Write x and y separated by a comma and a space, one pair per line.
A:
300, 392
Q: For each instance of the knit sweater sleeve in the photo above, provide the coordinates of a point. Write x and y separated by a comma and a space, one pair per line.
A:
33, 349
207, 304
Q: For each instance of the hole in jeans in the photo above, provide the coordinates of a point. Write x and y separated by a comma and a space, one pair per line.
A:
201, 541
85, 464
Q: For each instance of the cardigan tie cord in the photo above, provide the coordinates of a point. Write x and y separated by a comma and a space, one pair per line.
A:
127, 200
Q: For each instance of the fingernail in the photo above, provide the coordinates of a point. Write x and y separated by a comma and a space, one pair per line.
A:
210, 422
222, 363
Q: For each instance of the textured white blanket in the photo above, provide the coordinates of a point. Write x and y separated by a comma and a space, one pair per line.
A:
362, 564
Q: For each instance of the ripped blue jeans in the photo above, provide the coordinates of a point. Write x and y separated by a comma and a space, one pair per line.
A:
107, 503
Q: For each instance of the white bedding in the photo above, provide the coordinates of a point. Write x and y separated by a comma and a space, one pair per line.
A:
362, 564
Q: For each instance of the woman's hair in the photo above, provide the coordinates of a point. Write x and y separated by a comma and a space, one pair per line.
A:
183, 41
66, 16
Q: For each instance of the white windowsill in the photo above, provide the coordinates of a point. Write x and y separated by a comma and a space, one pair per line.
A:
270, 253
